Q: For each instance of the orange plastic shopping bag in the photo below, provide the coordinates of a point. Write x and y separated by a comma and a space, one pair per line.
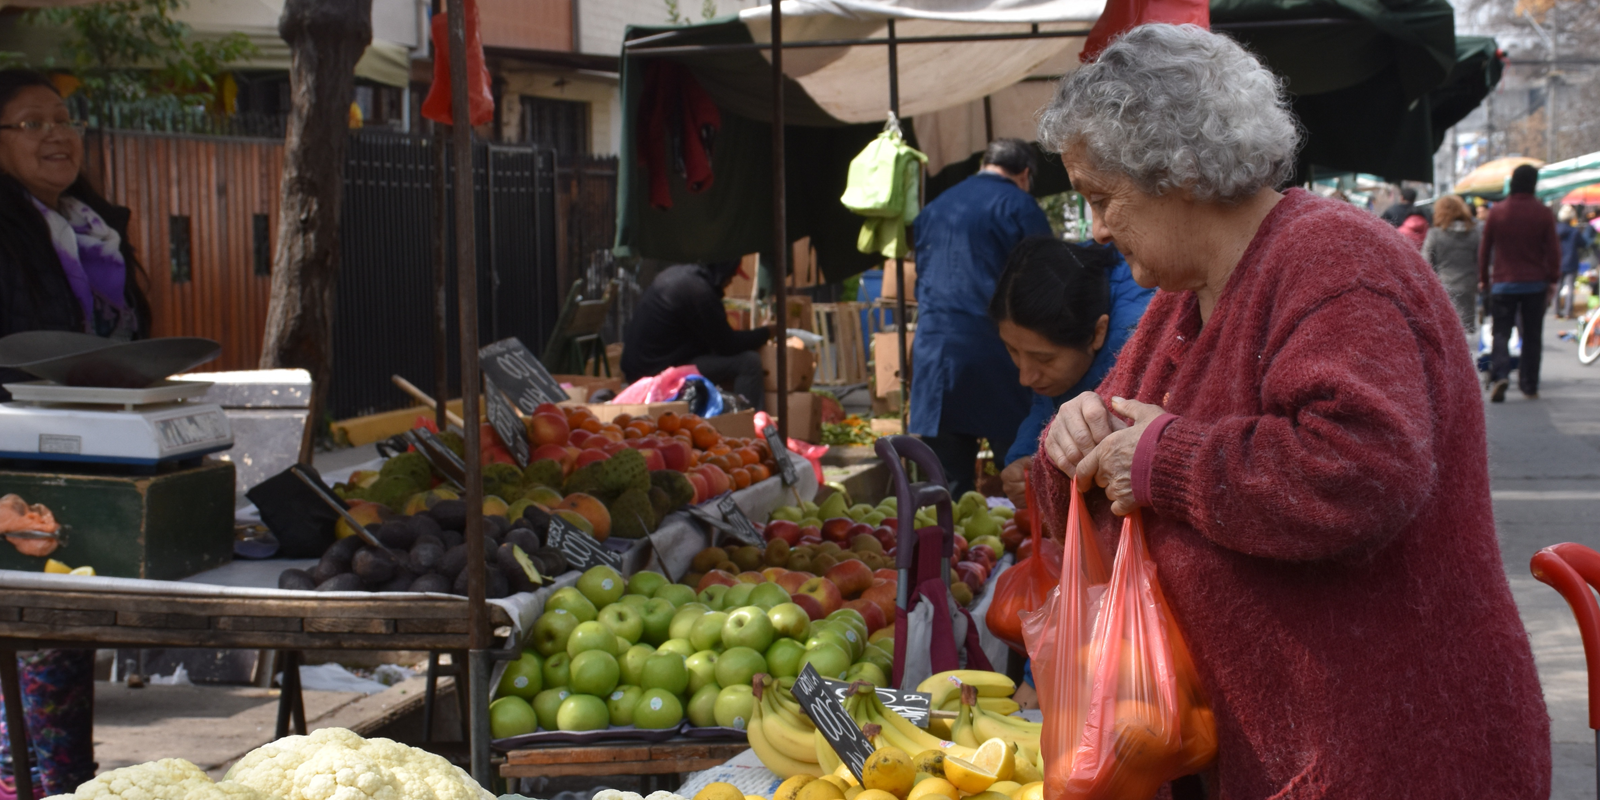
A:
1123, 708
1024, 587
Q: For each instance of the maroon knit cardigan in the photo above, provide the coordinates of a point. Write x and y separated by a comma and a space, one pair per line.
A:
1321, 523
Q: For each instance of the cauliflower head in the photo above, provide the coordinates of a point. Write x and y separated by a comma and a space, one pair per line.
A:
167, 779
336, 764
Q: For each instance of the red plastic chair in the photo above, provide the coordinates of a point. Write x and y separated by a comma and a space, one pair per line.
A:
1572, 570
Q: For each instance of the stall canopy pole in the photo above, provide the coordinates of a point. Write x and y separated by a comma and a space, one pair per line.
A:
780, 228
467, 300
441, 270
900, 263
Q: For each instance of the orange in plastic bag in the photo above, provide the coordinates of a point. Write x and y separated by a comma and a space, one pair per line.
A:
1124, 712
1024, 587
480, 97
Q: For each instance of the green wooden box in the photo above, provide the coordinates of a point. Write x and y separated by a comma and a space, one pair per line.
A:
163, 527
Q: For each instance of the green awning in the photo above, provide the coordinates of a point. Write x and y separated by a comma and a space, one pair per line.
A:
1556, 180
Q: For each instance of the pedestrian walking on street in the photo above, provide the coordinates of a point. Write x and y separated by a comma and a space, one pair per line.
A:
1398, 213
1307, 447
1519, 265
1576, 236
1452, 250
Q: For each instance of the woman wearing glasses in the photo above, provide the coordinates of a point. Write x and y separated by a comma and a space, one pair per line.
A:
65, 265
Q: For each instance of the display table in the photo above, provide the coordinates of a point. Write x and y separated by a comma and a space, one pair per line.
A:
621, 758
40, 611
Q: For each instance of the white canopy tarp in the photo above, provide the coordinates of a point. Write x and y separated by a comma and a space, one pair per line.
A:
851, 83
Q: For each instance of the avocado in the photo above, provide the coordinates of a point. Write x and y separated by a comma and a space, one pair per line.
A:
401, 582
373, 566
346, 582
397, 534
454, 561
432, 582
425, 557
450, 514
297, 579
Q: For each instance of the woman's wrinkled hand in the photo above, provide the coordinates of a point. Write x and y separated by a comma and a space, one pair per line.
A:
1079, 425
1110, 464
1014, 480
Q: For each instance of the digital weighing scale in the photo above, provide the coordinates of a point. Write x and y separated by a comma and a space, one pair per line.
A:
88, 424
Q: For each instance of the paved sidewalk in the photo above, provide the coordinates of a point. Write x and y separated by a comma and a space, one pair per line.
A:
1544, 464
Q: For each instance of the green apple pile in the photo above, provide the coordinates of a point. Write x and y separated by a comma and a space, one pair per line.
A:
650, 653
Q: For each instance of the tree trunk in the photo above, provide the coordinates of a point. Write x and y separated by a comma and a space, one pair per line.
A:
326, 38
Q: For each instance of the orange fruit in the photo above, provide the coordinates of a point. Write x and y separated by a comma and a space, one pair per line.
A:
631, 432
705, 436
741, 477
621, 419
669, 422
748, 455
590, 424
758, 472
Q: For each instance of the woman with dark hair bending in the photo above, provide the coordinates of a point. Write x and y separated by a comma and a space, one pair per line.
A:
1064, 311
65, 265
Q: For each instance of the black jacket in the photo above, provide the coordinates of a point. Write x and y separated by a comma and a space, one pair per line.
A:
680, 318
34, 293
1396, 214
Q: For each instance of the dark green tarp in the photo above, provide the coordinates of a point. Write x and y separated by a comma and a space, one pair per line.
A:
1374, 83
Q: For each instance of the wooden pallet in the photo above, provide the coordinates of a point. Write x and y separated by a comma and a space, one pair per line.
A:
662, 758
842, 356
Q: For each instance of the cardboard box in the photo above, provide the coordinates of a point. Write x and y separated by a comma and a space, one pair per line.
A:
891, 284
589, 383
886, 360
739, 423
798, 307
802, 367
887, 427
805, 415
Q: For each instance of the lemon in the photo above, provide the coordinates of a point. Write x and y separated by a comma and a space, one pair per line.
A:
790, 789
82, 571
1030, 791
56, 567
930, 761
853, 792
967, 776
836, 782
719, 791
889, 769
821, 789
1027, 770
997, 757
875, 794
1007, 788
843, 773
989, 795
935, 787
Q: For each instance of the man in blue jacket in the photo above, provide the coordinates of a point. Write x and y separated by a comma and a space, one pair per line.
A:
963, 384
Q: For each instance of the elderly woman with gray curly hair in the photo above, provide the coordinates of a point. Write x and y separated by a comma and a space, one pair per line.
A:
1299, 419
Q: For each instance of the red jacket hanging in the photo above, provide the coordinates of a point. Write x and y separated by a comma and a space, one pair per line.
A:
677, 130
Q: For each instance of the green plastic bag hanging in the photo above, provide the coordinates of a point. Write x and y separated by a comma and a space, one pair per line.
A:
884, 185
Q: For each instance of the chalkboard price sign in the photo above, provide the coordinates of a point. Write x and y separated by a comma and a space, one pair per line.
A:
738, 524
780, 454
827, 713
581, 549
914, 706
522, 376
507, 425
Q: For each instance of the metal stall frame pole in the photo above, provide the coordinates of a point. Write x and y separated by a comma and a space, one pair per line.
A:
17, 725
441, 267
900, 262
467, 300
780, 229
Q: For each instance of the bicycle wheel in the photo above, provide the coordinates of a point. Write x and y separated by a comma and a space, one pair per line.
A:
1589, 341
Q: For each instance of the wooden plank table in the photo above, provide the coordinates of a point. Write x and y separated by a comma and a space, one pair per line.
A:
35, 615
671, 757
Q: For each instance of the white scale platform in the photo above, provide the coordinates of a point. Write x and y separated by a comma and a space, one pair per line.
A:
48, 421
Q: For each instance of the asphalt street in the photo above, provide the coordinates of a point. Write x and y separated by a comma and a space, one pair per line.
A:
1544, 465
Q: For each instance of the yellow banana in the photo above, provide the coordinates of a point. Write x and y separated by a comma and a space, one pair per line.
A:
962, 732
787, 739
901, 728
790, 715
945, 684
775, 760
1004, 706
989, 725
827, 760
940, 726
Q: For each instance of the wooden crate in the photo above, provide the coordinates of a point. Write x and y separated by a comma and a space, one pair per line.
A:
163, 527
842, 356
621, 758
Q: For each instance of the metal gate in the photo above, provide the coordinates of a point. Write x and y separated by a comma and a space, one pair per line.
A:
383, 324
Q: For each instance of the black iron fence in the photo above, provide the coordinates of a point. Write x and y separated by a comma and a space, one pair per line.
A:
384, 323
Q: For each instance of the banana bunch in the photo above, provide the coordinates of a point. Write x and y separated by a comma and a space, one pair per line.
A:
975, 724
897, 731
783, 737
994, 690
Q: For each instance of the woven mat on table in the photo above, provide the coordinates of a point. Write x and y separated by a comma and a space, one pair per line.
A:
744, 771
